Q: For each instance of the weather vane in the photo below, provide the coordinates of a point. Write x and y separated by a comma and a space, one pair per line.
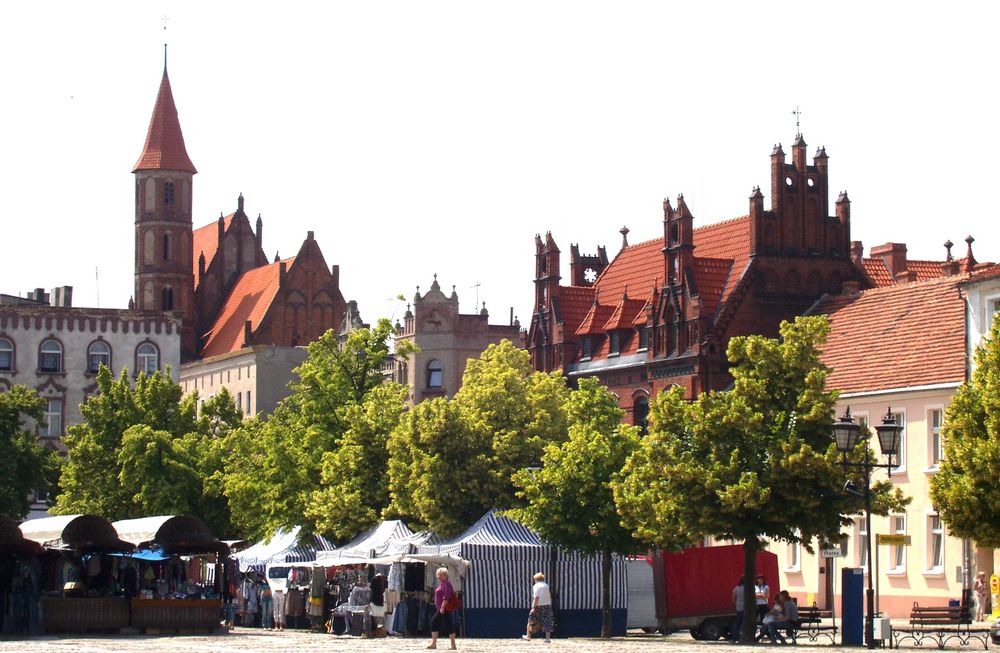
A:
797, 114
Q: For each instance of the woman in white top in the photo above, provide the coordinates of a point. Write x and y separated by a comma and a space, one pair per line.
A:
541, 609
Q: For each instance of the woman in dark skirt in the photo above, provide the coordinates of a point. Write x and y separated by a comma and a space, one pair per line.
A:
441, 622
541, 616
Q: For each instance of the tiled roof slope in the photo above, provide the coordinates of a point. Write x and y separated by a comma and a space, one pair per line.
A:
904, 335
595, 320
638, 266
164, 148
205, 240
574, 303
249, 300
624, 314
878, 271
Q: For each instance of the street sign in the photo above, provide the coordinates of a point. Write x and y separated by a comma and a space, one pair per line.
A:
892, 540
835, 552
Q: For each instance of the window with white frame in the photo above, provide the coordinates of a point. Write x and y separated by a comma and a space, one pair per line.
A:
900, 459
53, 419
934, 422
935, 544
897, 553
6, 355
435, 374
50, 356
249, 404
147, 358
793, 556
862, 542
98, 353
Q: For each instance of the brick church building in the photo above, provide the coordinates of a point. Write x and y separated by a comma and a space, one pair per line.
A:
662, 312
216, 278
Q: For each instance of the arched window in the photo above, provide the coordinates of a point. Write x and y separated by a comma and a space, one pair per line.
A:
147, 358
6, 355
166, 247
168, 192
98, 353
640, 413
50, 356
167, 299
435, 374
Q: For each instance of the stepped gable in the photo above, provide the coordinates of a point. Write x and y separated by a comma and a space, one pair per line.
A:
881, 338
250, 299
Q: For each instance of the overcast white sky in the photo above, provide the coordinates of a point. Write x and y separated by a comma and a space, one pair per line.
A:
423, 137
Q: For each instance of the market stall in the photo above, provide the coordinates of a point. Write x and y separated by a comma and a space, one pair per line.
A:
19, 577
180, 585
80, 579
503, 555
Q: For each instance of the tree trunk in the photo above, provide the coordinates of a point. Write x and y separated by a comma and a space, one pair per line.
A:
606, 593
748, 633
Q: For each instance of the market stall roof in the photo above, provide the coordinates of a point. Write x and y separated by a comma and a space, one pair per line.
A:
13, 542
181, 534
81, 533
285, 546
434, 559
391, 537
492, 529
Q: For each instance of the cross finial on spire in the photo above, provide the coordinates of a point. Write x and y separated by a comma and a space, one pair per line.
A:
798, 116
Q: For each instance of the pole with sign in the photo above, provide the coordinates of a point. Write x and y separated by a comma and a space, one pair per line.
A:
995, 594
882, 539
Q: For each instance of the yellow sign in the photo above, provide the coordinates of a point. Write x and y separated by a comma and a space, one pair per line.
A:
995, 592
893, 540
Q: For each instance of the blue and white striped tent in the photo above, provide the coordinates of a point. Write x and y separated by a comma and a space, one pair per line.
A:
504, 555
390, 538
283, 547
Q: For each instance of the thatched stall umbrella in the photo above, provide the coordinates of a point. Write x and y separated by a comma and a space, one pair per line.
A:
81, 589
184, 601
18, 580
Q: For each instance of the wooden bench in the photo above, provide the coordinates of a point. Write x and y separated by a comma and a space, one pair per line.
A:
940, 625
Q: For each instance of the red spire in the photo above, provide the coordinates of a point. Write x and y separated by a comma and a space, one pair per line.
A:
164, 149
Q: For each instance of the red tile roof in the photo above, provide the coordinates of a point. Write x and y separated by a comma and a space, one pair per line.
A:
625, 313
903, 335
638, 266
249, 300
596, 318
878, 271
574, 303
711, 276
164, 148
206, 241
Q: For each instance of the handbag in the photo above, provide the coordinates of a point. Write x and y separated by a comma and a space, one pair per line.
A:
453, 604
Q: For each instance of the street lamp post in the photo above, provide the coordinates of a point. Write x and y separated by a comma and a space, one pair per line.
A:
846, 434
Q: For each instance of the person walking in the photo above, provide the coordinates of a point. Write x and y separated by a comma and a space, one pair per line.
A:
541, 609
278, 604
982, 590
441, 622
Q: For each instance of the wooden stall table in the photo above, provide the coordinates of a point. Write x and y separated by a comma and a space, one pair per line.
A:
82, 615
183, 616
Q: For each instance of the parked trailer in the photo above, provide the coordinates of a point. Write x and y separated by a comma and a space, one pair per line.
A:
693, 589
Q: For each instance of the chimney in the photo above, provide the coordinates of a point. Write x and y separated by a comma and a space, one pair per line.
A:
850, 288
335, 273
893, 255
906, 276
857, 252
950, 266
247, 332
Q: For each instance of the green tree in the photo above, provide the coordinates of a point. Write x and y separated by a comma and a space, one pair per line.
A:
440, 471
90, 479
570, 501
965, 490
498, 423
355, 476
157, 474
750, 464
24, 465
276, 465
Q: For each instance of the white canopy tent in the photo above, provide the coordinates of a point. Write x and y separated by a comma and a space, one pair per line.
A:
284, 547
390, 538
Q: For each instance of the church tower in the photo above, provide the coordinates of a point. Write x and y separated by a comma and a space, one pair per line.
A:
164, 272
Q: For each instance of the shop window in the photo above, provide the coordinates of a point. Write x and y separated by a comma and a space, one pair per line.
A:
435, 374
50, 357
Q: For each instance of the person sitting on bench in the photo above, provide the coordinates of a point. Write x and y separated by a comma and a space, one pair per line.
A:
789, 621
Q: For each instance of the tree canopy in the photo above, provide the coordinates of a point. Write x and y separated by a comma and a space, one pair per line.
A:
965, 489
24, 465
452, 460
280, 466
750, 464
569, 501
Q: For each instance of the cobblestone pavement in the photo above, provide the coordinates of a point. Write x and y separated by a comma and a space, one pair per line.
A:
246, 640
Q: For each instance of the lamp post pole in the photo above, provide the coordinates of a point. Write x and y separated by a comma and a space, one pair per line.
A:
846, 434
